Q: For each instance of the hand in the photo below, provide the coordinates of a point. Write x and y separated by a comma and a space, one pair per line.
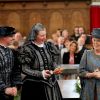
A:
58, 70
90, 75
11, 91
14, 89
97, 74
46, 73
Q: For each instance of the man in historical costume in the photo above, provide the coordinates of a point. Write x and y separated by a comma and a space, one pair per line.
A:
10, 77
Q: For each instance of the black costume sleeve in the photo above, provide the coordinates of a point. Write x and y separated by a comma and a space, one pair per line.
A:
54, 52
25, 59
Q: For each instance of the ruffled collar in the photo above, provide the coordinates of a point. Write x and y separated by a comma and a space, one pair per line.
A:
39, 45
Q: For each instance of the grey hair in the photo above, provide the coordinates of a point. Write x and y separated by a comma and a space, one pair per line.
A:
34, 32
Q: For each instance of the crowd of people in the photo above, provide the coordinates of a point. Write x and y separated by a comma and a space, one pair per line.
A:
30, 63
64, 43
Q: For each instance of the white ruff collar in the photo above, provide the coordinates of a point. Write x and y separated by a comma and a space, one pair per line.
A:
39, 45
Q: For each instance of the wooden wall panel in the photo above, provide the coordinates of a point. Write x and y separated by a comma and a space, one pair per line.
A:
56, 21
77, 18
53, 14
34, 18
13, 19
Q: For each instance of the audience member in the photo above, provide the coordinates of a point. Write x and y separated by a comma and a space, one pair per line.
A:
75, 34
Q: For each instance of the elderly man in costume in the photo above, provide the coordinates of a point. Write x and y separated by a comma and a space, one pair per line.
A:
10, 77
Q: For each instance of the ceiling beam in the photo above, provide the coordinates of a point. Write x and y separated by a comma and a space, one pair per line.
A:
40, 0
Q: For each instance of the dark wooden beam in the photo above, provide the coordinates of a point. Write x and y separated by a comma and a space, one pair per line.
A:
41, 0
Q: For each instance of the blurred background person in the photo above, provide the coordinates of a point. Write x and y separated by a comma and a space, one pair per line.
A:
60, 45
19, 38
82, 44
66, 48
75, 34
65, 34
81, 30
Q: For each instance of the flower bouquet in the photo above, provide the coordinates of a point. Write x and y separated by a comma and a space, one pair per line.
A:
78, 86
58, 70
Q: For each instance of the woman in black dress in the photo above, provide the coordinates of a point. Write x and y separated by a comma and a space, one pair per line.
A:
38, 59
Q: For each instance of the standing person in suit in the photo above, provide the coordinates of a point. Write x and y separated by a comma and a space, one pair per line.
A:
38, 59
89, 70
10, 76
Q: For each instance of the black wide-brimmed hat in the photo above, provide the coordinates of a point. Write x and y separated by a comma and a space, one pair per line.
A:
96, 33
6, 31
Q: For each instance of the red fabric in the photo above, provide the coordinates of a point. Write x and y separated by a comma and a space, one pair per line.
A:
94, 16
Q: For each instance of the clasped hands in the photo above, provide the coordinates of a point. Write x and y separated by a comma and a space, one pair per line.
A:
11, 91
94, 74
